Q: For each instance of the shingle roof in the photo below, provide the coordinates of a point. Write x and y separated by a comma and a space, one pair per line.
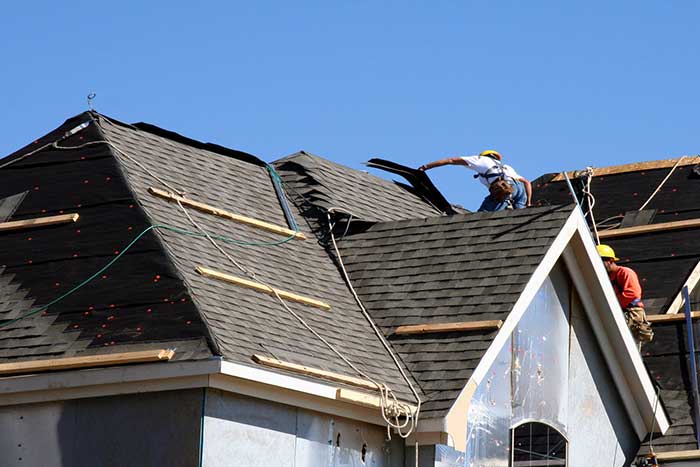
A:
123, 305
152, 295
411, 267
663, 260
325, 184
245, 322
446, 269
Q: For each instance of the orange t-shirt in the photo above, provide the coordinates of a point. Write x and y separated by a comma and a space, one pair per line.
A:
626, 285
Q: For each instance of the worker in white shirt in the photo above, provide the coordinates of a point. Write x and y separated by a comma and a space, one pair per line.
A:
507, 189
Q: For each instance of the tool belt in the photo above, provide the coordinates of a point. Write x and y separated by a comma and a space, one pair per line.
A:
638, 324
501, 190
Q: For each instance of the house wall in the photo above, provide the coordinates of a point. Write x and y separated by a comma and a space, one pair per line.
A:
240, 430
598, 422
159, 428
551, 371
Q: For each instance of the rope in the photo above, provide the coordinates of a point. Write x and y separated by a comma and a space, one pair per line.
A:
662, 183
591, 201
412, 416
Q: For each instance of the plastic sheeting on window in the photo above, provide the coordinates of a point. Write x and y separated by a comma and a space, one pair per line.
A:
528, 380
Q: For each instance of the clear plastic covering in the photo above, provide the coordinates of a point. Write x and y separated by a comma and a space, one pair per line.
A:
527, 382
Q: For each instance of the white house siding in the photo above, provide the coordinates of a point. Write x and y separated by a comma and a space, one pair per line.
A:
598, 421
245, 431
550, 370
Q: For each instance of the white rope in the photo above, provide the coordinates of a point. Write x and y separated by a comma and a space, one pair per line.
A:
591, 201
391, 408
662, 183
412, 415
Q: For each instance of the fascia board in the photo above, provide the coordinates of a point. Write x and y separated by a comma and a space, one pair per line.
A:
153, 377
290, 390
91, 382
616, 342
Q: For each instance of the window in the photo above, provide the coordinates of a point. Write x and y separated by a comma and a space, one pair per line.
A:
536, 444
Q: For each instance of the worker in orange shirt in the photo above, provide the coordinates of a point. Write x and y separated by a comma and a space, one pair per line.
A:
629, 293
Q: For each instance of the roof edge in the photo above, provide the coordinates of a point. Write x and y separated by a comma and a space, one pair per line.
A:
636, 167
632, 379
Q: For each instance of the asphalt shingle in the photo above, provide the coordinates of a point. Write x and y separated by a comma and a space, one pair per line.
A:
468, 267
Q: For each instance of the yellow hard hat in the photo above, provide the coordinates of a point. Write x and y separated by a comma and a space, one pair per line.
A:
491, 153
606, 252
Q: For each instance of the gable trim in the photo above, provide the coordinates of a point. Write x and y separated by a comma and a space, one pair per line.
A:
575, 245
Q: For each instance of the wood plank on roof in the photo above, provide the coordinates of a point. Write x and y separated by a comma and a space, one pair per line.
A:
212, 274
642, 229
634, 167
88, 361
669, 317
39, 222
364, 399
316, 372
449, 327
678, 455
208, 209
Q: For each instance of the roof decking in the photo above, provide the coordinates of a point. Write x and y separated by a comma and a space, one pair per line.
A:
663, 261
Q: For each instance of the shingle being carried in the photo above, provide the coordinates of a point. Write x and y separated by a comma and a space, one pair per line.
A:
325, 184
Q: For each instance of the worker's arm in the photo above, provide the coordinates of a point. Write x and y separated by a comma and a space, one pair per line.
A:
528, 189
441, 162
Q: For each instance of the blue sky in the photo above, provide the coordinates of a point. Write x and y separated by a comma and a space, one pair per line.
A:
551, 85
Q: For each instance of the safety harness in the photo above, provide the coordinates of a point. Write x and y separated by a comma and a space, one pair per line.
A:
499, 187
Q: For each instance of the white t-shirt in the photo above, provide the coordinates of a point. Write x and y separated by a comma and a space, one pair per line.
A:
486, 165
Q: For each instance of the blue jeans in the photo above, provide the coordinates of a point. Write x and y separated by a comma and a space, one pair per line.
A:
518, 199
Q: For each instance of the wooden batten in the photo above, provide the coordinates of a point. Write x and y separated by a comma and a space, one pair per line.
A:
39, 222
212, 274
202, 207
667, 318
89, 361
635, 167
364, 399
643, 229
487, 325
315, 372
678, 455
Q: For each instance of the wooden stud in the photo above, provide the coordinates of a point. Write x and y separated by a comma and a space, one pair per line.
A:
364, 399
643, 229
39, 222
212, 274
678, 455
449, 327
635, 167
665, 318
89, 361
318, 373
202, 207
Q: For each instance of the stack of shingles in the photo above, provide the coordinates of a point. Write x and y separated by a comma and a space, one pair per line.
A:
325, 184
449, 269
